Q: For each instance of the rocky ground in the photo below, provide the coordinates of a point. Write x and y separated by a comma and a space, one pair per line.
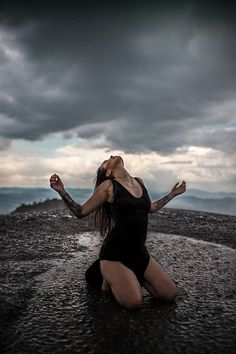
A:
46, 307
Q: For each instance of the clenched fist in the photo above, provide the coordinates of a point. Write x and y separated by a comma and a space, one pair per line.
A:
56, 183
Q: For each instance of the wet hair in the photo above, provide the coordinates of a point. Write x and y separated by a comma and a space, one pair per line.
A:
102, 215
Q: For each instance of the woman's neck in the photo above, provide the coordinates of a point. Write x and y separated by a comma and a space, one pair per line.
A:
123, 175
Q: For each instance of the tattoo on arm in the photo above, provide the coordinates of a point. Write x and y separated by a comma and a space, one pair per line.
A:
73, 206
163, 201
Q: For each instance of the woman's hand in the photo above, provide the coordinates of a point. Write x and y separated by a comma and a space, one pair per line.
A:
56, 183
178, 190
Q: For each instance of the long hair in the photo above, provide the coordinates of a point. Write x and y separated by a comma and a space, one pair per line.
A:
102, 215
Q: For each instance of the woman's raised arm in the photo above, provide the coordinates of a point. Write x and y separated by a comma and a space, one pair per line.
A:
99, 197
157, 205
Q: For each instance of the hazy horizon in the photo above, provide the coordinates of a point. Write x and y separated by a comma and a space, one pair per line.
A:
192, 199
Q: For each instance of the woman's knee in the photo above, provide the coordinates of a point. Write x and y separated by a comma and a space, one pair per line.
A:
131, 299
131, 303
123, 283
171, 294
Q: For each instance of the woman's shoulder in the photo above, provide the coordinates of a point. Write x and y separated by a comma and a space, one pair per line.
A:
111, 187
139, 179
106, 184
106, 187
142, 183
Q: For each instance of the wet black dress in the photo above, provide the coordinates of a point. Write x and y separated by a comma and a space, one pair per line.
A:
125, 242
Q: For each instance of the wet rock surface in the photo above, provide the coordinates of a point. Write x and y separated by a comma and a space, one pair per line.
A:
46, 306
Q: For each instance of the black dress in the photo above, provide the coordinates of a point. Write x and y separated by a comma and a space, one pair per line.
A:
125, 242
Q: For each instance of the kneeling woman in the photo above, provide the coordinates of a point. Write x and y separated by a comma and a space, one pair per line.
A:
120, 205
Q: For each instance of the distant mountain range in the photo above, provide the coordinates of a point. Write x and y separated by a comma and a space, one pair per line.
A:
12, 197
192, 199
215, 205
196, 199
209, 195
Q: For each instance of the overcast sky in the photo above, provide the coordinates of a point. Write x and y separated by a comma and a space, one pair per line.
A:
153, 81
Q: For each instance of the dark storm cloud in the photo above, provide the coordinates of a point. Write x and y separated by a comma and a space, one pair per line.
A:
143, 75
219, 139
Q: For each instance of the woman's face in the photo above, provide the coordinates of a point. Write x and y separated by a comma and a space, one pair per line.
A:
112, 162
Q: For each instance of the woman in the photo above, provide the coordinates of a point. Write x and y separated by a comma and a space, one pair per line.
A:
120, 205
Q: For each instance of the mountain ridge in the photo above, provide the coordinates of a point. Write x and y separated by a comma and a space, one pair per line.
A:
192, 199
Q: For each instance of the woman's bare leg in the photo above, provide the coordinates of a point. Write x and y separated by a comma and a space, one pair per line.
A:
105, 285
158, 282
123, 283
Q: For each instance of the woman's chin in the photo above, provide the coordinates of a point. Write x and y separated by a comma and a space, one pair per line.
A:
120, 158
